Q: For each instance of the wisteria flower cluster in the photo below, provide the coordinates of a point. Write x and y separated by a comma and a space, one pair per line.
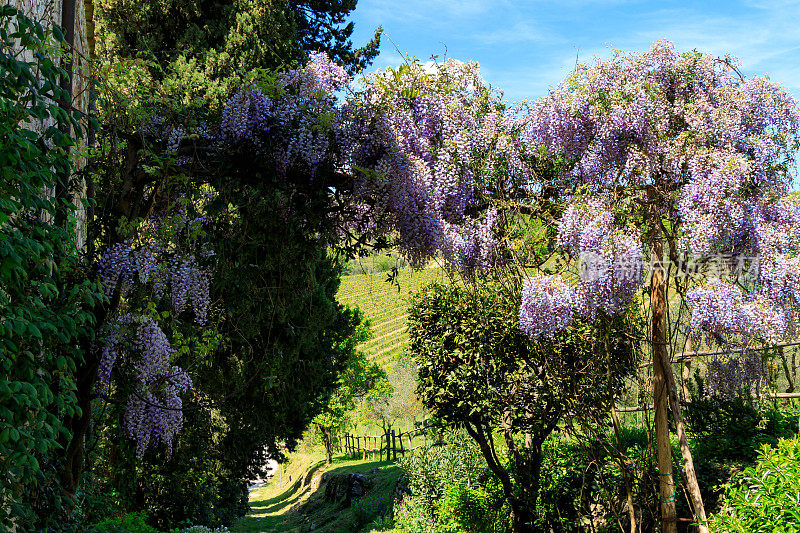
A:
153, 265
547, 306
733, 376
721, 310
707, 153
153, 413
434, 132
611, 268
128, 266
295, 125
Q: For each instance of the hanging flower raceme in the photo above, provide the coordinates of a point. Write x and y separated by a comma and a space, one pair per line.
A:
611, 262
297, 123
733, 376
147, 269
153, 414
546, 309
436, 131
721, 310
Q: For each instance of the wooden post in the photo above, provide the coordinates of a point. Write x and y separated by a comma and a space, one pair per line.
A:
685, 378
394, 447
686, 372
660, 355
402, 451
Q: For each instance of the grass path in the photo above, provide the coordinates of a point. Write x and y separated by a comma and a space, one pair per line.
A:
293, 500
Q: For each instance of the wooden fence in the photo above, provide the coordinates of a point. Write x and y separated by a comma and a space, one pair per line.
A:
782, 373
389, 445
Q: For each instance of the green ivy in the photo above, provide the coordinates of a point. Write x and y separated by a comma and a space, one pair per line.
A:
44, 301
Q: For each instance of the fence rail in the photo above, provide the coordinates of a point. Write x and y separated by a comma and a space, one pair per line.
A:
389, 444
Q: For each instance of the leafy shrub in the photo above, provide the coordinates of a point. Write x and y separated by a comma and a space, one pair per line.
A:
449, 489
766, 496
382, 523
126, 523
137, 523
368, 508
726, 434
733, 429
582, 482
471, 509
46, 300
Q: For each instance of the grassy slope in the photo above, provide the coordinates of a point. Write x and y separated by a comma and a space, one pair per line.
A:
293, 501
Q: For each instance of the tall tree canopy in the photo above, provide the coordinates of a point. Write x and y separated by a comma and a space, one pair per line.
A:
205, 49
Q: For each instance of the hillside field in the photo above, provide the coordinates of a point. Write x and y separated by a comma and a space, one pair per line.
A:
385, 305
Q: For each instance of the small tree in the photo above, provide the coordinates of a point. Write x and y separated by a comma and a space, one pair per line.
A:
672, 158
401, 401
360, 380
479, 370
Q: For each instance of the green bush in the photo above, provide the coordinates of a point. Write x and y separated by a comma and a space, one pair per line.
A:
382, 523
729, 430
369, 508
126, 523
582, 482
450, 489
471, 509
766, 496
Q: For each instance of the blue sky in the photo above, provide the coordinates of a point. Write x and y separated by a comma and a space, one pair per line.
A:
527, 47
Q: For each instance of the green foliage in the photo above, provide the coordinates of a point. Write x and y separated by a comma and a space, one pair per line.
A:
401, 402
276, 341
450, 489
472, 509
764, 497
127, 523
479, 370
368, 508
583, 484
203, 50
476, 365
45, 299
733, 429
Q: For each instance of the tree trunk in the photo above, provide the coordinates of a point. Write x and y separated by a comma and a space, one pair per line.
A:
521, 512
327, 440
521, 517
686, 453
660, 358
78, 425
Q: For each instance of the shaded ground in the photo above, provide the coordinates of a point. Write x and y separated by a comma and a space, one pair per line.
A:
294, 501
